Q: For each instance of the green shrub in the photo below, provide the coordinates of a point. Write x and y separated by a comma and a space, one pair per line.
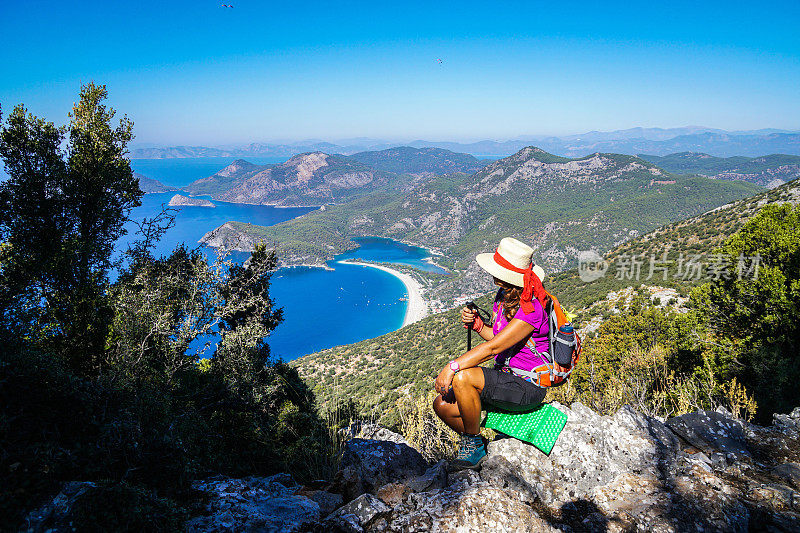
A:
123, 507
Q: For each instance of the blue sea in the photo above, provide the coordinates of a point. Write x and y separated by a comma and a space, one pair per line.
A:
322, 308
180, 172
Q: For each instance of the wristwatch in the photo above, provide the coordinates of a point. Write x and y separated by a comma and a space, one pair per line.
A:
454, 366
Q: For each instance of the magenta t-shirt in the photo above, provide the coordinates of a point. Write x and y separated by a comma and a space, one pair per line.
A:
523, 357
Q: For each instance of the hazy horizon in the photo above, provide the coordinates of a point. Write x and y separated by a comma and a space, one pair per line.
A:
400, 141
197, 74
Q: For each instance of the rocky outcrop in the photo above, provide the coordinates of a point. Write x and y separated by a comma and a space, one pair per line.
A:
229, 236
254, 504
367, 465
704, 471
149, 185
180, 200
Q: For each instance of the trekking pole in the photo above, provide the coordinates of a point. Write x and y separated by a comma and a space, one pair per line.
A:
472, 307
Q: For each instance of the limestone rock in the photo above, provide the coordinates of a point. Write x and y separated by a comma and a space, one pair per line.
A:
393, 493
357, 515
789, 472
790, 421
434, 477
500, 473
464, 477
367, 465
54, 515
372, 432
327, 501
460, 508
591, 452
254, 504
712, 432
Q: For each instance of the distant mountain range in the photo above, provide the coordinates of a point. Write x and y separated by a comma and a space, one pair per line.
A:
420, 161
656, 141
769, 170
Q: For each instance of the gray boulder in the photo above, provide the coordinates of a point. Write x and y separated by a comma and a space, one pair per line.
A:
789, 421
371, 431
55, 514
789, 472
712, 432
591, 452
368, 465
462, 508
357, 515
619, 472
254, 504
434, 477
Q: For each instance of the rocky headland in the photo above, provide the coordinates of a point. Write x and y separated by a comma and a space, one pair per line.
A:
180, 200
149, 185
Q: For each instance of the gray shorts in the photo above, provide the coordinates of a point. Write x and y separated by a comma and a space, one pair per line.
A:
508, 392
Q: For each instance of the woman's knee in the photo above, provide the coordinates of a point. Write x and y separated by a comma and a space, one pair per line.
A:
437, 402
469, 377
440, 406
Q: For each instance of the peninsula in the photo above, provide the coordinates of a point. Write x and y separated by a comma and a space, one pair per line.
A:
180, 200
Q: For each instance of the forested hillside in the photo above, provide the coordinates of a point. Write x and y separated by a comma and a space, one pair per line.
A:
377, 373
101, 379
768, 170
408, 160
556, 204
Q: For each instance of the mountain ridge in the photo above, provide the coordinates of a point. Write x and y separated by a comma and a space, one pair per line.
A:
308, 179
633, 141
150, 185
558, 205
767, 170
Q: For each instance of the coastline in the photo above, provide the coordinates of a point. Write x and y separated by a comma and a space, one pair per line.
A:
417, 307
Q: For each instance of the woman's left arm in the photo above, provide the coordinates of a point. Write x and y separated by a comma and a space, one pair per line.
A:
516, 331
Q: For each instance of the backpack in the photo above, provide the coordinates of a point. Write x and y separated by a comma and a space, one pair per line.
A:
564, 353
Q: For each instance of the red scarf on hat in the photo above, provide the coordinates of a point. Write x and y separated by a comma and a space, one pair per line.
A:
532, 285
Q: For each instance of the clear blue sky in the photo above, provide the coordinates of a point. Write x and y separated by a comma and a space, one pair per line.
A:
193, 72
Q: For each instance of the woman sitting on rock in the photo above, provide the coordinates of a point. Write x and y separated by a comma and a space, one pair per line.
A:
516, 339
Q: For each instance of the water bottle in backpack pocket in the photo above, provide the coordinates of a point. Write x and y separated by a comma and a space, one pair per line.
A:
564, 345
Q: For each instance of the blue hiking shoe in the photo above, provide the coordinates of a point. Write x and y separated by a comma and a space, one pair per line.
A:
471, 452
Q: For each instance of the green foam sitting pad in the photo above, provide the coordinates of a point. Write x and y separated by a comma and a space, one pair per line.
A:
540, 427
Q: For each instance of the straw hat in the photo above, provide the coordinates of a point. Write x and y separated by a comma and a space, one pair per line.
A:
511, 253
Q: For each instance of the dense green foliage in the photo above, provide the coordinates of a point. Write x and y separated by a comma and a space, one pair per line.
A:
757, 313
102, 380
408, 160
697, 235
61, 212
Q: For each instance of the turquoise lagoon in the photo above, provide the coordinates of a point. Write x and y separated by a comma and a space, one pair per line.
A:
322, 307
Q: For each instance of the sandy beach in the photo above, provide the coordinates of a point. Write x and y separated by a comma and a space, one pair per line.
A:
417, 308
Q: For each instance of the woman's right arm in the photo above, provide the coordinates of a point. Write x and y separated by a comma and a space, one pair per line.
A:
468, 318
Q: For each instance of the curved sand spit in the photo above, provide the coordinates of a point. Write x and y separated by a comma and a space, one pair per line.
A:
417, 308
